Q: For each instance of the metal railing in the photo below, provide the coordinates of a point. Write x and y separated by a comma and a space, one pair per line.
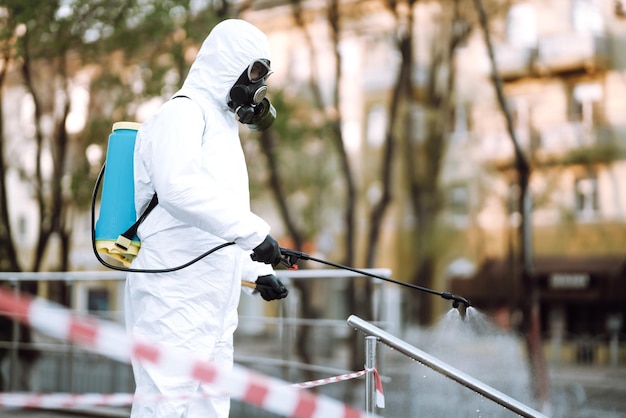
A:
433, 363
64, 360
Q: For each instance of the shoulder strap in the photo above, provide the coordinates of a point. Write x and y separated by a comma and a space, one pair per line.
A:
123, 241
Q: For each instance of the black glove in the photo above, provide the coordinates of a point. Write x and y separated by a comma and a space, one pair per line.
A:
267, 252
271, 288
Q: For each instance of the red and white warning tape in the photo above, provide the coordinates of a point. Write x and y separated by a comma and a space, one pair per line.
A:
327, 380
111, 340
380, 397
71, 400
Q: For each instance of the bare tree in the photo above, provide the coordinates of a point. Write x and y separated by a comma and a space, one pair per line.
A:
423, 157
48, 190
8, 253
404, 43
39, 43
531, 302
333, 113
57, 41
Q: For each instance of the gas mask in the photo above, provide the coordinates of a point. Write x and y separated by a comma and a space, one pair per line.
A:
247, 97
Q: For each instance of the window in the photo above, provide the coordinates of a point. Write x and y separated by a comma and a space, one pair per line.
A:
521, 25
22, 226
586, 111
458, 205
98, 300
586, 192
458, 200
587, 16
586, 99
460, 122
376, 125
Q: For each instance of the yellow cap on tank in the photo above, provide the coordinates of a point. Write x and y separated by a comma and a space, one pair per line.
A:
126, 125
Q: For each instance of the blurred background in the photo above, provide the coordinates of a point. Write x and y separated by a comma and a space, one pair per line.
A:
476, 147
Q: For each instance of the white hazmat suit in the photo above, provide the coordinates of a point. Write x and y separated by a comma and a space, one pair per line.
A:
189, 153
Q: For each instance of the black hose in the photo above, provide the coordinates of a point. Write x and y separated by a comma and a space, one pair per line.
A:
128, 269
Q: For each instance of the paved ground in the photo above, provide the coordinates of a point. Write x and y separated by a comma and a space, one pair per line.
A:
87, 413
591, 392
586, 392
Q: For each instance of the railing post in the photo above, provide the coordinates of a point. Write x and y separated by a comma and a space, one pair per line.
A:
15, 345
370, 382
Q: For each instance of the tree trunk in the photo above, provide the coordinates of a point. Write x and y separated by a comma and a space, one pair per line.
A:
424, 156
8, 253
531, 302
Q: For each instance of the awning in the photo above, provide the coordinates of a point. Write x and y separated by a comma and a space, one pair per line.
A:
581, 279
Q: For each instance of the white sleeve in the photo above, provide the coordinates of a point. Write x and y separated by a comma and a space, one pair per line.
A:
183, 187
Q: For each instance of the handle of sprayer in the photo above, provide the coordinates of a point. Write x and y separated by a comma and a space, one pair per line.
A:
289, 258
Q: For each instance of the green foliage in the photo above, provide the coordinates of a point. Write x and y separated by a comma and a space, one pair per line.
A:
123, 43
55, 27
139, 53
602, 153
599, 153
154, 36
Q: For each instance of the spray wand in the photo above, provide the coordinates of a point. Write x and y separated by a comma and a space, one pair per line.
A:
291, 257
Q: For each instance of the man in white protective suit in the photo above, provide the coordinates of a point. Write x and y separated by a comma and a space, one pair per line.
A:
189, 154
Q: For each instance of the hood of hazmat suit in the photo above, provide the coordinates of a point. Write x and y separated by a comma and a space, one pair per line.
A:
190, 154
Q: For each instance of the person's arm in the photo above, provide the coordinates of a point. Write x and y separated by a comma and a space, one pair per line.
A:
184, 189
265, 282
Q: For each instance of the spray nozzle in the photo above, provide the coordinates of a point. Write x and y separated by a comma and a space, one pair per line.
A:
456, 300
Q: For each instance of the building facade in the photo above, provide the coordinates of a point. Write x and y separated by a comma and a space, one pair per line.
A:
561, 65
564, 80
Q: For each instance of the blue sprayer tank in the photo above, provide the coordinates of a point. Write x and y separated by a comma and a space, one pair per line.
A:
117, 204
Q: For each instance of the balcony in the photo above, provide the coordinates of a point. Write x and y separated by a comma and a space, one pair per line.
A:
513, 61
573, 141
572, 51
560, 139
